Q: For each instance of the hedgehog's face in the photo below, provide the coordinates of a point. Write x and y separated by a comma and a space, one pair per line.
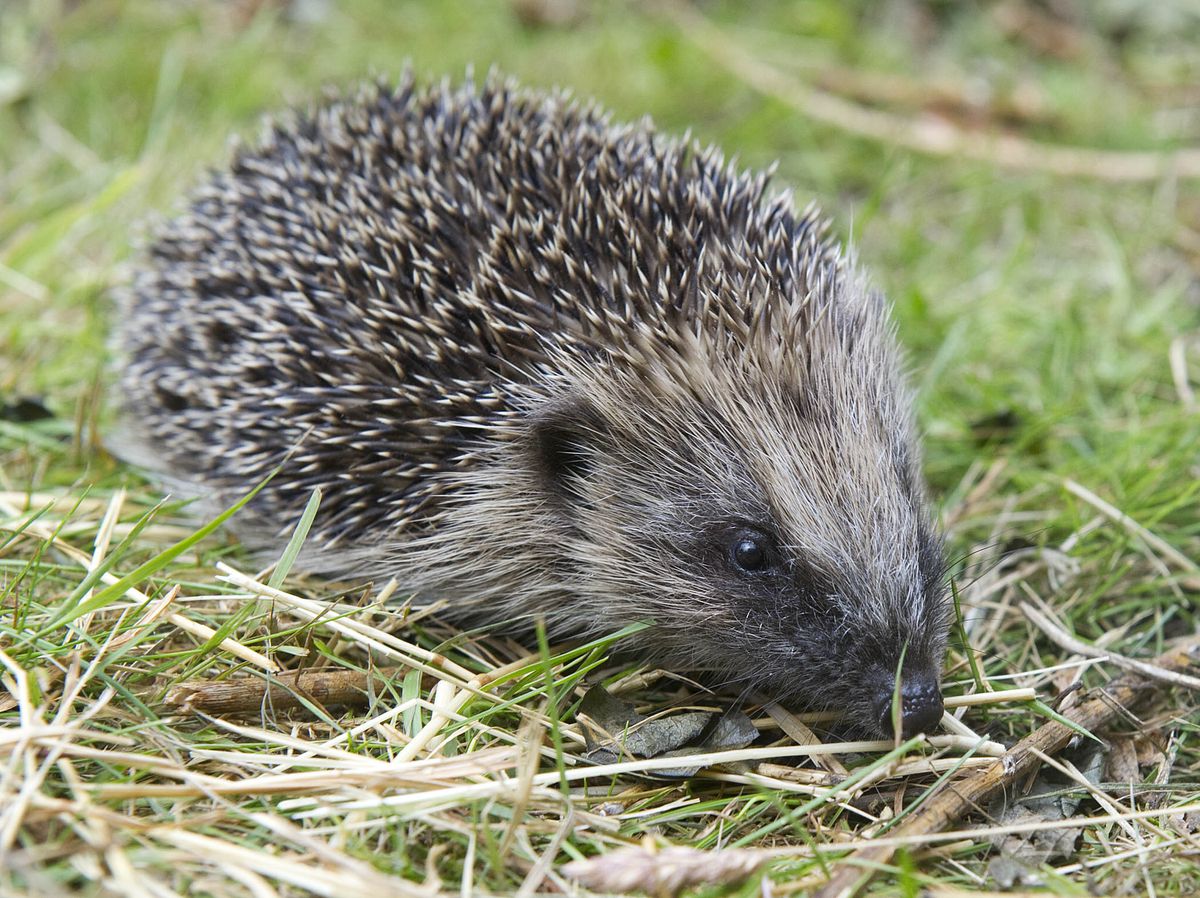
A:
778, 544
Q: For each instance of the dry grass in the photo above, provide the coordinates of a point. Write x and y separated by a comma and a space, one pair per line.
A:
461, 770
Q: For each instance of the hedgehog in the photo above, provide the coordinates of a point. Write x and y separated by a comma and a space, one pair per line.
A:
549, 367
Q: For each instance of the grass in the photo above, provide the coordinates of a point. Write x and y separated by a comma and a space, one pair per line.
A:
1047, 320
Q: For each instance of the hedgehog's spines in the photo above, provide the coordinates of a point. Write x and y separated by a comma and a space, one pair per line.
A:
392, 290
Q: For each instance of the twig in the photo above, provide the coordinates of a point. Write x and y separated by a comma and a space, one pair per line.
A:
959, 797
930, 136
947, 97
285, 691
998, 696
1065, 640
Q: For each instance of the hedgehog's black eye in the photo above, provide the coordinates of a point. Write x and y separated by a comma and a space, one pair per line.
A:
749, 552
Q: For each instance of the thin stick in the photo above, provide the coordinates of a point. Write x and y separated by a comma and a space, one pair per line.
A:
283, 692
957, 798
991, 698
1065, 640
928, 136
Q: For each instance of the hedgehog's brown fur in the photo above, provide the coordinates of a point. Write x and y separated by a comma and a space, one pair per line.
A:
544, 365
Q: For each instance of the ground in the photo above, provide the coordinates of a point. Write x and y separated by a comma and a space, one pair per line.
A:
1016, 177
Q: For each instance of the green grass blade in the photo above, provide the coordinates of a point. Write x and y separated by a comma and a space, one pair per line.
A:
292, 550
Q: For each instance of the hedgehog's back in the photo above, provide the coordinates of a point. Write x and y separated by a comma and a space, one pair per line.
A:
352, 294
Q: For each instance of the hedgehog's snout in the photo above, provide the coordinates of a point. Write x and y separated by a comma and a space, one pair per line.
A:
921, 704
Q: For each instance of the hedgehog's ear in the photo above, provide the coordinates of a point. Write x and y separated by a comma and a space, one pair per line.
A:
566, 437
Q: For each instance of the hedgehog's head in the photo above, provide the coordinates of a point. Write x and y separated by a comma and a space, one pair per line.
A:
763, 507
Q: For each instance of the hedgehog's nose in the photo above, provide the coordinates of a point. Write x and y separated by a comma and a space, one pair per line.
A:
920, 705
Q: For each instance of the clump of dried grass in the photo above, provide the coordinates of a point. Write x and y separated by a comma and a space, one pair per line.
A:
450, 763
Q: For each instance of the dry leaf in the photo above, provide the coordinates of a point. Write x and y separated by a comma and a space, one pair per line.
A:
614, 730
1122, 762
666, 871
1051, 797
